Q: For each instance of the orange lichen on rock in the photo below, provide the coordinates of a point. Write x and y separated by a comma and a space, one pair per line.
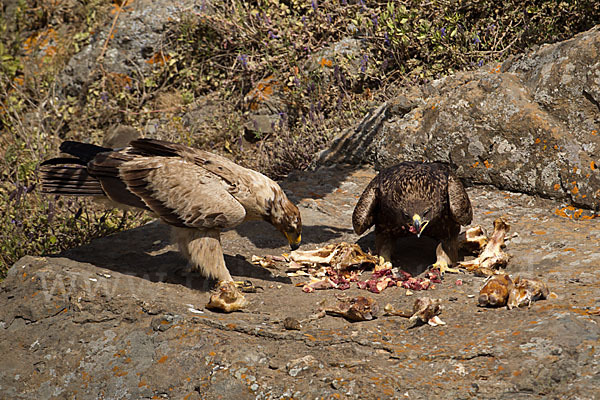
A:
159, 58
575, 213
326, 63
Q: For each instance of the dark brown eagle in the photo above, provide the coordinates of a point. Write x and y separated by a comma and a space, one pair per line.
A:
196, 192
415, 198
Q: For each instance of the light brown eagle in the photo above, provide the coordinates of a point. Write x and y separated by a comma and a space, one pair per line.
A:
415, 198
196, 192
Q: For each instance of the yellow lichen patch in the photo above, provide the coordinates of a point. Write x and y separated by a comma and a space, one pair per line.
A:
162, 359
40, 41
159, 58
86, 378
496, 70
575, 213
326, 63
118, 81
310, 337
262, 92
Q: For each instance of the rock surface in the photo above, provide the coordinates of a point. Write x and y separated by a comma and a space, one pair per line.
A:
531, 124
122, 319
135, 38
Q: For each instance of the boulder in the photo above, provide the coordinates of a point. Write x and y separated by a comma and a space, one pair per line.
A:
133, 45
530, 124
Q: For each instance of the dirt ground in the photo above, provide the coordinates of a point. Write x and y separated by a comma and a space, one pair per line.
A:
123, 319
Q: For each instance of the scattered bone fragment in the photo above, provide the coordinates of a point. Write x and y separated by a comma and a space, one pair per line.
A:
226, 297
500, 290
473, 240
525, 291
292, 324
390, 310
337, 255
492, 257
358, 308
267, 261
425, 309
318, 284
484, 272
495, 291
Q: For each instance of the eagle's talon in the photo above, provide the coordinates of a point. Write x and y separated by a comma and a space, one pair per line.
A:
247, 286
443, 267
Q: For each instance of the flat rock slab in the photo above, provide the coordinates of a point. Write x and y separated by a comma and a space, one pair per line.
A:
121, 318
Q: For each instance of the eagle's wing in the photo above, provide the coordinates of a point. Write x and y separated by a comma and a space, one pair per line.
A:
181, 192
460, 205
233, 174
363, 216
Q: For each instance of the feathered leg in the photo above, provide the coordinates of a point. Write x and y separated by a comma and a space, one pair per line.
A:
446, 255
202, 249
384, 244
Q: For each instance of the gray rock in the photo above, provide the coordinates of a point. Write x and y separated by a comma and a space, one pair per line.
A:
529, 125
136, 38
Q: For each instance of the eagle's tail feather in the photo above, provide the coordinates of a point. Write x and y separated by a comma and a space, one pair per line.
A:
68, 177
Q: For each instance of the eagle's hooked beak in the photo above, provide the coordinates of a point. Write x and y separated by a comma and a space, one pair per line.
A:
419, 224
293, 239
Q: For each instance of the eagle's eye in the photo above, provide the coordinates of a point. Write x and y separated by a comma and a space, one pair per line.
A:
426, 211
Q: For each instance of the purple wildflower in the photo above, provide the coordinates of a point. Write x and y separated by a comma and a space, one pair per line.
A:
443, 32
363, 63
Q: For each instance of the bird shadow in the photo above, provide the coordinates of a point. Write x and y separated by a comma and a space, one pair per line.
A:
411, 253
150, 259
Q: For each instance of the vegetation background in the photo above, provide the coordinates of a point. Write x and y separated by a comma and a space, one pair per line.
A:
240, 54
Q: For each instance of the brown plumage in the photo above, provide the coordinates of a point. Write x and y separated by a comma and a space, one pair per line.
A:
196, 192
419, 198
